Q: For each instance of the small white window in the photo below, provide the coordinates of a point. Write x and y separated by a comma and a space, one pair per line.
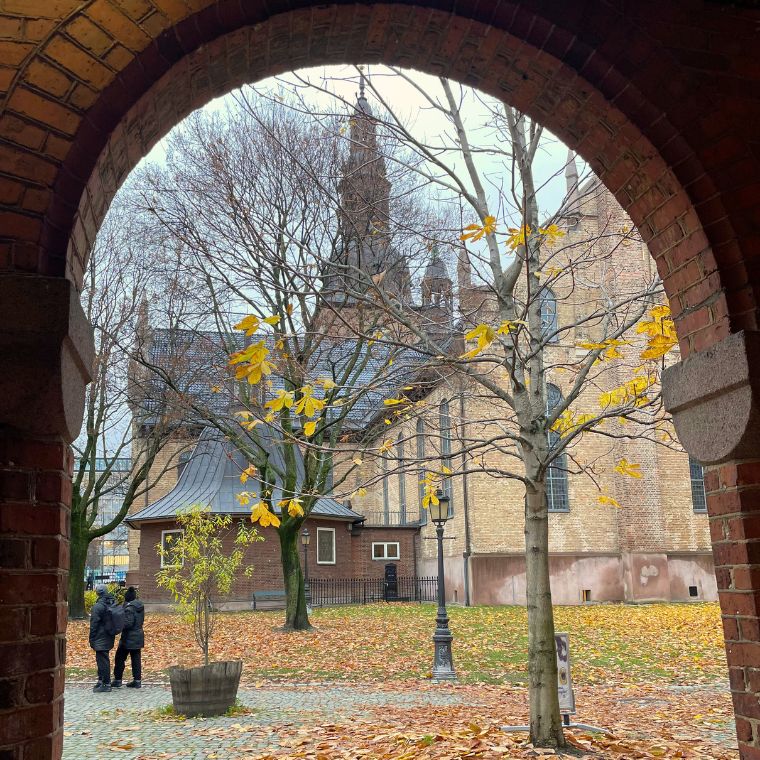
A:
325, 546
168, 540
388, 550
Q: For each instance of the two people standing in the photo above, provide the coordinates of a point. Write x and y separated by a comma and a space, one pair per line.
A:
107, 620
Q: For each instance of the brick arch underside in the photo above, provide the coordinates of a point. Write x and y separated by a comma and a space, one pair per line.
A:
658, 186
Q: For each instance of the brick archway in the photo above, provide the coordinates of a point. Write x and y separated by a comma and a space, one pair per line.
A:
658, 98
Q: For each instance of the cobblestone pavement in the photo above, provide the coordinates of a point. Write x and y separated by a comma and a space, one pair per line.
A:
126, 721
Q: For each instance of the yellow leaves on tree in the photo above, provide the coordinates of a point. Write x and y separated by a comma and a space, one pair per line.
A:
569, 422
517, 236
484, 334
252, 363
386, 446
607, 501
474, 232
248, 472
261, 514
509, 326
293, 506
552, 233
283, 400
309, 428
308, 404
661, 332
609, 348
632, 391
624, 467
250, 324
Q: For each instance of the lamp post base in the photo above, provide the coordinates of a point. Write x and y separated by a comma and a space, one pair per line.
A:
443, 662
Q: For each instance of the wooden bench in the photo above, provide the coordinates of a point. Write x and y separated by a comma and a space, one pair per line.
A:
274, 600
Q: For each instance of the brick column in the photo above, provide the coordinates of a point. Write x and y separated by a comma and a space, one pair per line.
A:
46, 347
714, 397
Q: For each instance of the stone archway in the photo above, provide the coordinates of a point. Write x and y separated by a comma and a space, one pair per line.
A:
657, 99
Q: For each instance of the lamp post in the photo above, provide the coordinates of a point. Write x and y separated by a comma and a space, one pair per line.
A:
305, 538
443, 662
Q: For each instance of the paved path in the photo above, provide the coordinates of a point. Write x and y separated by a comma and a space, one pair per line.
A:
125, 722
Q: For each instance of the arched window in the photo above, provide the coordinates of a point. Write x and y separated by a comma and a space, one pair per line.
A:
548, 305
420, 431
401, 479
444, 422
698, 497
557, 495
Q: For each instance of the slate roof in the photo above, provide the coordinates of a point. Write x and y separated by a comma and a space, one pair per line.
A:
203, 359
212, 478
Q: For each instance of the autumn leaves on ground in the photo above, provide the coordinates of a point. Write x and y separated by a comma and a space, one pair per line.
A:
654, 675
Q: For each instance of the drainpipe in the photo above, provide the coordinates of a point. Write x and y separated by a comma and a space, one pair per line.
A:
466, 504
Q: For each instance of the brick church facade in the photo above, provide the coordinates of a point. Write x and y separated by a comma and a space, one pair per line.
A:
655, 547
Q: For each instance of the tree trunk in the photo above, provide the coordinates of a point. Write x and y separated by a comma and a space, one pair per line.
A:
80, 542
545, 720
296, 618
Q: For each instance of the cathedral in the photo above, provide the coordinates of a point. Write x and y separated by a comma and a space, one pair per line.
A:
655, 547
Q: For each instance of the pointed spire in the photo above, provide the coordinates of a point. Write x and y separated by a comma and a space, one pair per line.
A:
362, 104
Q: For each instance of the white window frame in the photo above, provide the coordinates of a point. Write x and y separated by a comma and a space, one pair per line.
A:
385, 545
163, 546
334, 551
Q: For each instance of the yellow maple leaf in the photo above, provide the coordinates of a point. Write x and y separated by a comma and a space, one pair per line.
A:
283, 400
249, 324
484, 334
308, 404
517, 236
475, 232
261, 514
624, 467
248, 472
294, 508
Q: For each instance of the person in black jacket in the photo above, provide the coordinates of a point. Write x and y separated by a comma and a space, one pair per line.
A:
100, 640
132, 641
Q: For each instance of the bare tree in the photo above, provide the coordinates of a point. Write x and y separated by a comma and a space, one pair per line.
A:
259, 211
116, 290
517, 269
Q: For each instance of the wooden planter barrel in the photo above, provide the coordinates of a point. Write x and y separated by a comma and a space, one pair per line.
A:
205, 690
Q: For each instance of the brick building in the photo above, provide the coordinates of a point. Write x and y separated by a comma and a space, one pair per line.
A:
340, 546
656, 547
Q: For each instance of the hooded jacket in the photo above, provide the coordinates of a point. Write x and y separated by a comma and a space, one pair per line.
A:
100, 640
132, 637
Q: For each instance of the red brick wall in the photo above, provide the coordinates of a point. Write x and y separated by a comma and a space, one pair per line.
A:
353, 558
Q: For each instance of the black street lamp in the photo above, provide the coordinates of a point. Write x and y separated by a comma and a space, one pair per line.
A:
443, 662
305, 538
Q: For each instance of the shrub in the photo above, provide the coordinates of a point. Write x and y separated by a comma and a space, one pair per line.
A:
90, 597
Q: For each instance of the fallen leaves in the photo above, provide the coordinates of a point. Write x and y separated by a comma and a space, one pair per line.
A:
627, 644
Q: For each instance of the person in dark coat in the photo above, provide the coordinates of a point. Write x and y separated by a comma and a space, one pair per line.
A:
100, 640
132, 641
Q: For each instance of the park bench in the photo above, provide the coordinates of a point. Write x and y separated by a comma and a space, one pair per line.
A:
274, 600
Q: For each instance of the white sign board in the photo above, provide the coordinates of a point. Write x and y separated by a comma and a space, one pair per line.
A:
564, 676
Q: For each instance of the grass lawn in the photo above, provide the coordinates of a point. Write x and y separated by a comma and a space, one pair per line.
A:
610, 644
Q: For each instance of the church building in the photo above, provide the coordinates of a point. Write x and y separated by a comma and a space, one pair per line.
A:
656, 546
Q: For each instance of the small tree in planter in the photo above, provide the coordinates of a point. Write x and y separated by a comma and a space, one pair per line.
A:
196, 567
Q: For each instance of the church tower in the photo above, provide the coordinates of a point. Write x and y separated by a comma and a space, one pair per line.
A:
437, 291
366, 251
